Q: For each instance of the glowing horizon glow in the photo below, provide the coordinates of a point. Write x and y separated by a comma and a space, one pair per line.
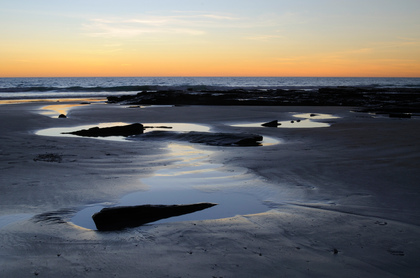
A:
331, 38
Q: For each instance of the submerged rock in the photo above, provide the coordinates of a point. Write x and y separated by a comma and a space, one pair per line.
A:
125, 130
118, 218
49, 157
400, 115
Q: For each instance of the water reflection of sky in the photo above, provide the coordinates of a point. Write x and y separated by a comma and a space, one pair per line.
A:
149, 127
54, 110
316, 116
304, 120
178, 127
193, 179
289, 124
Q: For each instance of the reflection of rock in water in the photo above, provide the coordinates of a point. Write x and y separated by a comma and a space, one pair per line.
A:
125, 130
117, 218
212, 139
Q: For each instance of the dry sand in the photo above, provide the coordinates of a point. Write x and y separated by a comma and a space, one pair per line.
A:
346, 197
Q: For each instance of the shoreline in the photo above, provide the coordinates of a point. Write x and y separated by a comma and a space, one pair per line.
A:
348, 191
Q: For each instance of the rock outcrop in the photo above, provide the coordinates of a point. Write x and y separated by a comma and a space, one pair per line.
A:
274, 123
126, 130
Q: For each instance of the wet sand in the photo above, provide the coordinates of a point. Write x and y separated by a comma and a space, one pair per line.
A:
345, 198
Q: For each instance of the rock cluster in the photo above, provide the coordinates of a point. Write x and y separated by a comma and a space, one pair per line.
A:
372, 99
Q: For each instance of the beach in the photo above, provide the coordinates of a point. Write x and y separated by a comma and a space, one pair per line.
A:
342, 200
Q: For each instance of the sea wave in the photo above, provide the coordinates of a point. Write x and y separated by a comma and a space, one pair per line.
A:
105, 86
76, 89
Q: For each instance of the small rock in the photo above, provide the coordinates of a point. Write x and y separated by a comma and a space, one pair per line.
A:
62, 116
274, 123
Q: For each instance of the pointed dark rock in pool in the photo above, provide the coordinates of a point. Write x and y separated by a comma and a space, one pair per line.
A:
118, 218
274, 123
125, 130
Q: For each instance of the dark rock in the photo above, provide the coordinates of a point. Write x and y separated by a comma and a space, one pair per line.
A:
125, 130
62, 116
274, 123
118, 218
250, 141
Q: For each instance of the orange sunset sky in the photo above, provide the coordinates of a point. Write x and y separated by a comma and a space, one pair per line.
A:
48, 38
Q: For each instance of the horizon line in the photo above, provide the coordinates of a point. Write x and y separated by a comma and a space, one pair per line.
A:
210, 76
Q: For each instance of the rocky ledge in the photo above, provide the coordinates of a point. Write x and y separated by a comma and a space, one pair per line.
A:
372, 99
124, 130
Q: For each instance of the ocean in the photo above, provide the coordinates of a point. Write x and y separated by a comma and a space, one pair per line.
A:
61, 87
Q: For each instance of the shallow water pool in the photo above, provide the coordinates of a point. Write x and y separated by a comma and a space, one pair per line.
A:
193, 179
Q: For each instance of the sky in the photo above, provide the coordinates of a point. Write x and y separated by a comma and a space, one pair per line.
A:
366, 38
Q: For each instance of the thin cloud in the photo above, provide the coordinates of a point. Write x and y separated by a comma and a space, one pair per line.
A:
135, 27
